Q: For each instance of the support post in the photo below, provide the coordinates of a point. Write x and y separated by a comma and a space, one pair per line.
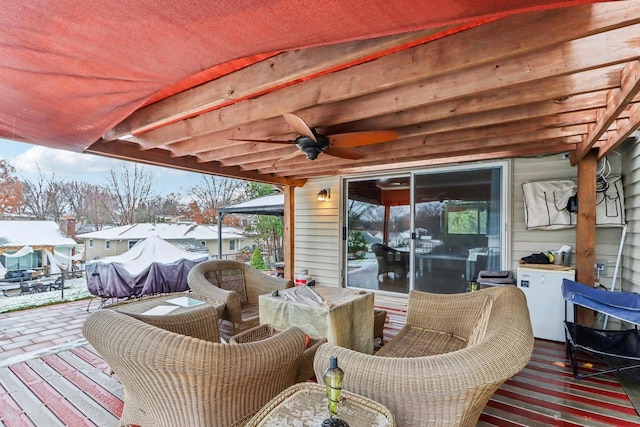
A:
219, 235
586, 229
289, 231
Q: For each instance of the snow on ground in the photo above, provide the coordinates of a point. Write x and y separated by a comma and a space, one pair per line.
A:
74, 289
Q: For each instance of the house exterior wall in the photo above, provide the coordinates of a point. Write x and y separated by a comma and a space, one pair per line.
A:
318, 226
227, 252
317, 231
630, 272
98, 250
525, 242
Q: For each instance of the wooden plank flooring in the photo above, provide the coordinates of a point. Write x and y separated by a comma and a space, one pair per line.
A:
76, 388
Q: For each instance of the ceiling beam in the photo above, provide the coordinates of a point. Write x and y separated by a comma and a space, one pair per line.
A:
158, 157
617, 101
624, 129
260, 78
556, 88
396, 151
454, 158
392, 70
515, 123
587, 54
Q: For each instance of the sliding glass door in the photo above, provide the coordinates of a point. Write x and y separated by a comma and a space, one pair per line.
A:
457, 227
428, 230
378, 233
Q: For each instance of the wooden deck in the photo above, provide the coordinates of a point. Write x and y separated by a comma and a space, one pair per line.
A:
75, 388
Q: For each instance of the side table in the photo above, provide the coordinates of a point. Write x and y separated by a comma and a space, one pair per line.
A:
305, 405
343, 316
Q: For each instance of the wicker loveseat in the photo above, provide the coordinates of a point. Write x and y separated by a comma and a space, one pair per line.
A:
451, 356
238, 285
171, 379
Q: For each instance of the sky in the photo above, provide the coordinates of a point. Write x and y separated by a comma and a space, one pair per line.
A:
72, 166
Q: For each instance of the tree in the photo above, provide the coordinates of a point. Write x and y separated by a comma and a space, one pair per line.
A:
257, 261
213, 192
268, 229
11, 200
132, 188
89, 203
44, 197
259, 189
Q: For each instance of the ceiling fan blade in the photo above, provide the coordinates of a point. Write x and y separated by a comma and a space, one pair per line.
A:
267, 141
299, 125
345, 153
357, 139
291, 156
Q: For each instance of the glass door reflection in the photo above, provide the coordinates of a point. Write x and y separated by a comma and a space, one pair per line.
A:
378, 233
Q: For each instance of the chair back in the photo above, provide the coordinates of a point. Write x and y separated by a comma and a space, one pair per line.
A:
176, 380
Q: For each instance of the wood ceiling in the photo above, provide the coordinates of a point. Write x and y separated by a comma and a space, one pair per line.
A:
564, 80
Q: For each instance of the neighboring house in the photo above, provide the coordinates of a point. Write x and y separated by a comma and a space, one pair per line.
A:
191, 237
33, 239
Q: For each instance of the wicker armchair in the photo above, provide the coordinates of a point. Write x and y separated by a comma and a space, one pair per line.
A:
391, 260
305, 370
451, 356
176, 380
238, 285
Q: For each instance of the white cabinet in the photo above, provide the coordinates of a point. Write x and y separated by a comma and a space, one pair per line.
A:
545, 302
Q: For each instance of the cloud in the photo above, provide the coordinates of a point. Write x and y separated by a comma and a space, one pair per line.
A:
62, 163
72, 166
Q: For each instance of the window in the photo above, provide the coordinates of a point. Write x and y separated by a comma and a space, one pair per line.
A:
232, 244
131, 243
90, 243
107, 245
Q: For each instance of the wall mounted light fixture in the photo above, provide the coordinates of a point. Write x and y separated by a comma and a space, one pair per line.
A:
324, 195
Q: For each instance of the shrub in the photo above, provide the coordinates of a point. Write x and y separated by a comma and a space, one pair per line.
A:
257, 261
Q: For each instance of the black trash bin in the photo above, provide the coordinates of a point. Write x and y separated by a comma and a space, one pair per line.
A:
489, 278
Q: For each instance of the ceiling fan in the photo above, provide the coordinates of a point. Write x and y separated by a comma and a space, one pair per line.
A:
311, 143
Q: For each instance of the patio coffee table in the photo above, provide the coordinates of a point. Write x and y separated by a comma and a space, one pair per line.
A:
144, 304
180, 312
305, 405
343, 316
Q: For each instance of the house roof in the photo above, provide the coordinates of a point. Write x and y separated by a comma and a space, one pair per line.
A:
189, 84
164, 231
32, 233
272, 204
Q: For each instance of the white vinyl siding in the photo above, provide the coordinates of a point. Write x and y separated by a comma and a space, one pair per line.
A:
630, 272
317, 231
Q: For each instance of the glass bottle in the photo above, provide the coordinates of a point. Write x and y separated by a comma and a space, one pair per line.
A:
332, 377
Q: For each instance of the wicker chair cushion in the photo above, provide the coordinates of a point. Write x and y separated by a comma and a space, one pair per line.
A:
418, 342
459, 325
230, 279
249, 311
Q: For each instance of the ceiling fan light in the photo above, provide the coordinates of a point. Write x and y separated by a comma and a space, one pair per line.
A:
311, 152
